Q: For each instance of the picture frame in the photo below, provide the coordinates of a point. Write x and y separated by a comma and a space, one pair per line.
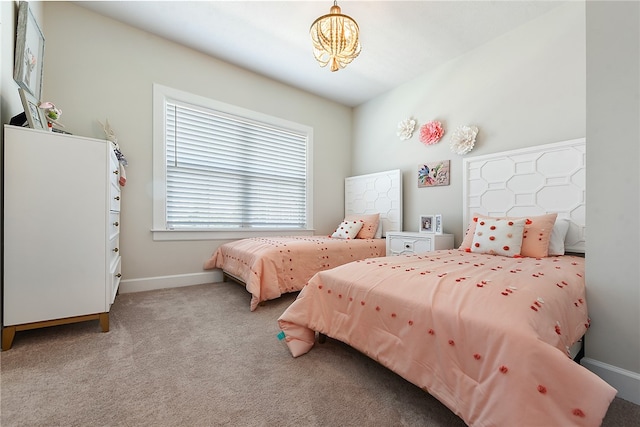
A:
29, 54
433, 174
427, 224
438, 224
36, 118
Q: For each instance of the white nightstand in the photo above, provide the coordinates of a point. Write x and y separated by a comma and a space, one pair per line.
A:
407, 243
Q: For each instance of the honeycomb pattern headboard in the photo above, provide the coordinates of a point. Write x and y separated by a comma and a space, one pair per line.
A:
530, 181
377, 192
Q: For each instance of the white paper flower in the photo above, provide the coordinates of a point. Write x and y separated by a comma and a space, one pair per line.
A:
463, 139
406, 128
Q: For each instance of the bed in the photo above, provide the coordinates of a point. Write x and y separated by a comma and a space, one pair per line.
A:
271, 266
486, 330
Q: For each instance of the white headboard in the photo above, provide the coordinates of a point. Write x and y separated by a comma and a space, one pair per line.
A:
530, 181
376, 192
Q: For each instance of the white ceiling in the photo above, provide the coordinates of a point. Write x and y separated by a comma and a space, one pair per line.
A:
400, 39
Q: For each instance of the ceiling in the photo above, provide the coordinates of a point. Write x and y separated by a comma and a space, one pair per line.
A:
400, 39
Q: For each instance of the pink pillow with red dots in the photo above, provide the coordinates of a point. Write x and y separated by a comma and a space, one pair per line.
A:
348, 229
498, 236
536, 236
369, 224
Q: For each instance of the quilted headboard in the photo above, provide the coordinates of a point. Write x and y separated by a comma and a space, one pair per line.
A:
376, 192
530, 181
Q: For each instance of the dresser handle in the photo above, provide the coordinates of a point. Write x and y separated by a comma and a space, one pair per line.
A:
115, 250
116, 172
116, 198
116, 223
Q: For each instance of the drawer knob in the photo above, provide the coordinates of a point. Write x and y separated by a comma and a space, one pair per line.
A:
116, 172
115, 249
116, 198
118, 275
116, 223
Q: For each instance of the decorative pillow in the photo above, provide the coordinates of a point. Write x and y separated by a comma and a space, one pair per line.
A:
348, 230
378, 231
369, 224
498, 236
536, 236
558, 234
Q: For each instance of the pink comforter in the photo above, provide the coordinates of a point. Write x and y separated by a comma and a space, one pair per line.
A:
271, 266
486, 335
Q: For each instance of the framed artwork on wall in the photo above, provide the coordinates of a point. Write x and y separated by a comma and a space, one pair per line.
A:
29, 55
433, 174
427, 224
35, 116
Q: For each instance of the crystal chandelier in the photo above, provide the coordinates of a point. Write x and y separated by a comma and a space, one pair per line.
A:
335, 39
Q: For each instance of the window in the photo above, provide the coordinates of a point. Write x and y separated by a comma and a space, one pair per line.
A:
226, 172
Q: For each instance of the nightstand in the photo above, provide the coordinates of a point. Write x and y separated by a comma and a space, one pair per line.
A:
408, 243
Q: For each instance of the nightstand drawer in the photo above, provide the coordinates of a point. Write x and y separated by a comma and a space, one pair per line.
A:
407, 243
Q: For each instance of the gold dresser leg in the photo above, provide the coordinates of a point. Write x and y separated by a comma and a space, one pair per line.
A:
8, 333
104, 321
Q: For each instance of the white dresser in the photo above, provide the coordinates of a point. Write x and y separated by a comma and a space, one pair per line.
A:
407, 243
61, 230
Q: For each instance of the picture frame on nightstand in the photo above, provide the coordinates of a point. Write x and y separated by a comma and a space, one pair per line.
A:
438, 224
427, 224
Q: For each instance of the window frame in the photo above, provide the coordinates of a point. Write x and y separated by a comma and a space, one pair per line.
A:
159, 229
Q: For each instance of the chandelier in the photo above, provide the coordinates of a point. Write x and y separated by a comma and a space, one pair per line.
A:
335, 39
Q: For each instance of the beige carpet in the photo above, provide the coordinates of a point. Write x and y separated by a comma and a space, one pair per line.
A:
197, 356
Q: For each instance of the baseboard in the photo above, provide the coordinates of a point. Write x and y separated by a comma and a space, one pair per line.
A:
164, 282
626, 382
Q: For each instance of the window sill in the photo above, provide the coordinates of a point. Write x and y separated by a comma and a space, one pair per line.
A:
181, 235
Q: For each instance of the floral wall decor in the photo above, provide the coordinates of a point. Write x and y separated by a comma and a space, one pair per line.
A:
406, 128
430, 133
433, 174
463, 139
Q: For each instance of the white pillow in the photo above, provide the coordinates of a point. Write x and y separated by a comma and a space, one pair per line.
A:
348, 230
498, 236
558, 234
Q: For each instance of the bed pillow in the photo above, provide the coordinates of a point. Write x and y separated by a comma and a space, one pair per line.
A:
370, 224
498, 236
536, 236
347, 230
558, 234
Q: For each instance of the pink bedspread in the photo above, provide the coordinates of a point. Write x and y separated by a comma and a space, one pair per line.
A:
271, 266
486, 335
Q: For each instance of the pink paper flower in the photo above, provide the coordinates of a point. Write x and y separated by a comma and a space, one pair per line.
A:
430, 133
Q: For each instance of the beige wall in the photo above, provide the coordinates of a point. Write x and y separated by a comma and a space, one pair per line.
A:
97, 68
613, 193
524, 88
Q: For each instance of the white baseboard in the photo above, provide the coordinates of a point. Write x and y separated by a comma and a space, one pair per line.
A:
164, 282
626, 382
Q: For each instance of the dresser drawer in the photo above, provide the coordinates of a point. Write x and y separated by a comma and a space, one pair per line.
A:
114, 248
114, 224
114, 196
114, 168
114, 279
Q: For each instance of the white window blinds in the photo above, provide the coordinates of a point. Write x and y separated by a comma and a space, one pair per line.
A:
233, 173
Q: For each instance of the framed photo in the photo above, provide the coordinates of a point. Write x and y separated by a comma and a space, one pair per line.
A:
35, 116
27, 70
427, 224
433, 174
438, 225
